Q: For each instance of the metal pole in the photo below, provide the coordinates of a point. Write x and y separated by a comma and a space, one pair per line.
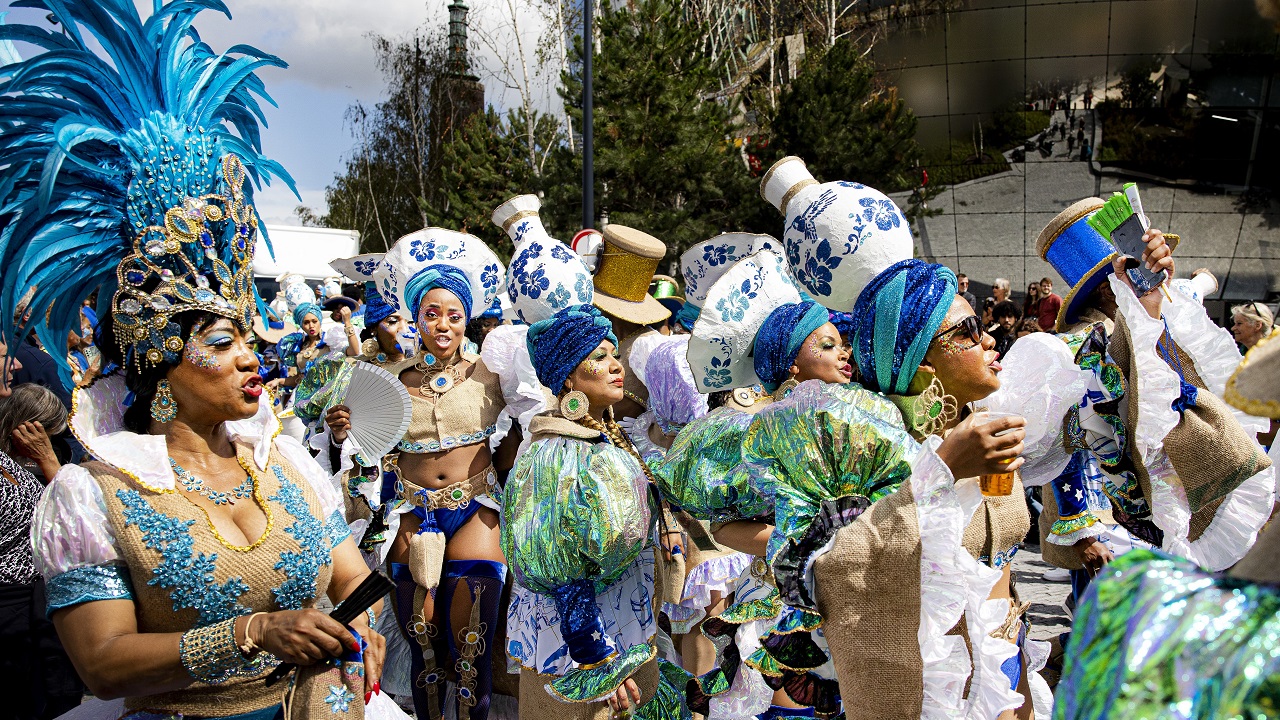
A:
588, 144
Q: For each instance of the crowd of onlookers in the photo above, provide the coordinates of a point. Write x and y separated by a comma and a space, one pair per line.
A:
1007, 321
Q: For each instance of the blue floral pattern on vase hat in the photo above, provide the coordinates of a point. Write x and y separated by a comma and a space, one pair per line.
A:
419, 251
837, 235
723, 339
545, 276
358, 269
704, 263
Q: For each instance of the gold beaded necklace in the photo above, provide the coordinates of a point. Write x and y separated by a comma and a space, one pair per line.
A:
257, 498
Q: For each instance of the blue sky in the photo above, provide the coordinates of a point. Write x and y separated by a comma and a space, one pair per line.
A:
331, 64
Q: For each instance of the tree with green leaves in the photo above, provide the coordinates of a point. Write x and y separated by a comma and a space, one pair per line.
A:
846, 123
484, 164
665, 159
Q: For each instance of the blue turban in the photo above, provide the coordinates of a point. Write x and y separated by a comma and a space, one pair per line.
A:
778, 341
843, 322
688, 315
302, 311
494, 311
438, 276
558, 344
895, 319
375, 308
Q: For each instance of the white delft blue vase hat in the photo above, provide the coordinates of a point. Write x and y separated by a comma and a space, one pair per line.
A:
838, 235
407, 268
721, 345
358, 269
545, 275
704, 263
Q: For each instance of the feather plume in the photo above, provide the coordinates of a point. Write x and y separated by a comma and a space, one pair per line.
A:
112, 122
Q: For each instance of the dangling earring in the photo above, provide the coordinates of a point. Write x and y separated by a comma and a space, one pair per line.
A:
575, 405
163, 407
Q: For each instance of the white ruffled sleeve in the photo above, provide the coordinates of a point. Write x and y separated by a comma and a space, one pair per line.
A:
326, 486
1041, 382
75, 548
1236, 523
955, 587
506, 353
1212, 348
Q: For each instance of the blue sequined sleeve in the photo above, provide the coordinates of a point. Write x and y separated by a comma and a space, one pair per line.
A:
88, 584
337, 528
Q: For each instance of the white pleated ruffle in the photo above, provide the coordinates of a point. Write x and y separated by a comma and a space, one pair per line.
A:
1236, 524
1041, 382
955, 586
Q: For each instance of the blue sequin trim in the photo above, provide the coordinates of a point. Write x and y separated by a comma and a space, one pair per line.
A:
338, 529
87, 584
189, 574
1002, 558
303, 567
446, 443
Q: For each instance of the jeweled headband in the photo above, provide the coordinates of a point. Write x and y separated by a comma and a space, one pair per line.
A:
144, 318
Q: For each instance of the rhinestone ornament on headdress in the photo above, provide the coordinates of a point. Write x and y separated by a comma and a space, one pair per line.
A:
144, 318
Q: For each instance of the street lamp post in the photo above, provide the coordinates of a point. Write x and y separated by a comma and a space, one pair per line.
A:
588, 145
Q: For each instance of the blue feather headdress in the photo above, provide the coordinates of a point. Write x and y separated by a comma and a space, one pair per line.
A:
125, 145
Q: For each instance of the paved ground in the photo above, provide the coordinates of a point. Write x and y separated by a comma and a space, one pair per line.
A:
1047, 616
987, 228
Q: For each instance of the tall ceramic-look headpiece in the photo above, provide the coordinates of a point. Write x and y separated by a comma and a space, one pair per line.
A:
838, 235
704, 263
126, 146
438, 258
722, 345
545, 275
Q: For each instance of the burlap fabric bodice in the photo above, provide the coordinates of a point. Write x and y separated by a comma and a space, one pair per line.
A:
1211, 454
998, 525
184, 577
465, 415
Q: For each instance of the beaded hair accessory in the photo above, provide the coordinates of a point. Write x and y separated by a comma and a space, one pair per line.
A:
144, 318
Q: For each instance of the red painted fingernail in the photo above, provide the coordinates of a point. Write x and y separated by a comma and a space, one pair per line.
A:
377, 688
367, 696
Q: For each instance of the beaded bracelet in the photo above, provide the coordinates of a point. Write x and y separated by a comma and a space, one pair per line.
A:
210, 653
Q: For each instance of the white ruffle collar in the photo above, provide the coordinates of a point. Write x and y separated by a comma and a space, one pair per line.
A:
97, 420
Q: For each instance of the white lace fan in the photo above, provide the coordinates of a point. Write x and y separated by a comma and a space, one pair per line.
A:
380, 409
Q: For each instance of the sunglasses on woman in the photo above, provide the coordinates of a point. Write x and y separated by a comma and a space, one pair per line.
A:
972, 326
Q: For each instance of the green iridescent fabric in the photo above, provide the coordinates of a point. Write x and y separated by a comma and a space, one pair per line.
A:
1157, 637
573, 510
580, 685
698, 472
759, 609
668, 702
320, 387
824, 442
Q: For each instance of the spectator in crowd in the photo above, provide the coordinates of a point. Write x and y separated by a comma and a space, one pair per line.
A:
1048, 306
1251, 322
962, 289
37, 679
1028, 325
1006, 319
1033, 298
987, 306
34, 365
1000, 290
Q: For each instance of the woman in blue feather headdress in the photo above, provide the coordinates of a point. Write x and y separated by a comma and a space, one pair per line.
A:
185, 561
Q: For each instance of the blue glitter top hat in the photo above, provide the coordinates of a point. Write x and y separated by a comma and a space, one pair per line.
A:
1078, 253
